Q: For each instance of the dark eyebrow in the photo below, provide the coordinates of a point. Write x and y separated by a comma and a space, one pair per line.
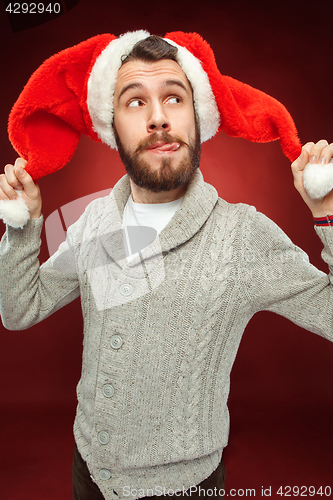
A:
130, 86
168, 83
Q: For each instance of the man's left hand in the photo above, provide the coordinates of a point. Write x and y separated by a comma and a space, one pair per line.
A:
321, 152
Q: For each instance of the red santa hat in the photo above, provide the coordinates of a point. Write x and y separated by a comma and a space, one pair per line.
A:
71, 94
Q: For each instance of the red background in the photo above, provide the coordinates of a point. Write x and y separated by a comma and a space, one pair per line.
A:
281, 400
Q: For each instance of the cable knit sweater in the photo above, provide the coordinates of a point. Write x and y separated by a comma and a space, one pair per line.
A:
161, 332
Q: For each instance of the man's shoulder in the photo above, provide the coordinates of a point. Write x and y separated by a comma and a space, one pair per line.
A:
245, 215
233, 210
243, 218
99, 203
92, 215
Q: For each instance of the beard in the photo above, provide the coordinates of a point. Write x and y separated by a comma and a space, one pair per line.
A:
166, 177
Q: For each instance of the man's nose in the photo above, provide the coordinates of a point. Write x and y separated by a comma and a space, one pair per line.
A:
157, 120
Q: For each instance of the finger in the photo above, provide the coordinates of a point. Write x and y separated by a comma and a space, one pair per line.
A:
326, 154
3, 196
7, 192
308, 146
11, 177
316, 151
303, 159
20, 162
25, 179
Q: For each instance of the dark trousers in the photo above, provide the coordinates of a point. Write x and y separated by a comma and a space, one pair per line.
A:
85, 489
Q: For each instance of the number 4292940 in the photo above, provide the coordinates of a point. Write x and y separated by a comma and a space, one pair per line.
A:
304, 491
33, 8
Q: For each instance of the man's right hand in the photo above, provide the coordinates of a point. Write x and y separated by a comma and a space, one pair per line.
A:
16, 178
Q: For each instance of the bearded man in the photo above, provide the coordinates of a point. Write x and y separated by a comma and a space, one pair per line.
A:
164, 311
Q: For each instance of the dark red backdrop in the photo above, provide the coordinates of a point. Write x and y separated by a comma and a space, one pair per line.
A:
281, 400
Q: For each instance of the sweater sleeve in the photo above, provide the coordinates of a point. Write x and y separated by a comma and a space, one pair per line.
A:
278, 276
30, 292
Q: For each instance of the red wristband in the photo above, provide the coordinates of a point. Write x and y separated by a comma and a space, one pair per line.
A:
324, 221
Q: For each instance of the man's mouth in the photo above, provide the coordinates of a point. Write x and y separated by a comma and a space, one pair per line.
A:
161, 147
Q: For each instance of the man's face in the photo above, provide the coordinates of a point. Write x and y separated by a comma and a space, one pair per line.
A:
157, 135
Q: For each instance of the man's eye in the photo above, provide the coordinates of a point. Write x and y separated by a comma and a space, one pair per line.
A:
174, 100
135, 103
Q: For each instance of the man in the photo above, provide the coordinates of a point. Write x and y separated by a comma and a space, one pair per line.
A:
162, 323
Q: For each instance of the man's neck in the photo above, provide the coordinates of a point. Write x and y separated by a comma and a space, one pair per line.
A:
142, 195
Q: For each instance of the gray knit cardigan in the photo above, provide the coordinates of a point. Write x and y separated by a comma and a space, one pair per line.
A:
161, 333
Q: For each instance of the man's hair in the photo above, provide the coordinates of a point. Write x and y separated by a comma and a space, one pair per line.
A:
151, 49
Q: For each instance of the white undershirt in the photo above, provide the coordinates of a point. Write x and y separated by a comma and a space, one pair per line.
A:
154, 216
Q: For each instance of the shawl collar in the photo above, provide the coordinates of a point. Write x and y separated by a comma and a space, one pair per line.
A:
198, 203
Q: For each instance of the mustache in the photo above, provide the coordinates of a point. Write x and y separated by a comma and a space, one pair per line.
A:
164, 136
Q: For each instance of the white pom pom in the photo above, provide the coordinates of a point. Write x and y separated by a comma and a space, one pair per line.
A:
318, 179
14, 213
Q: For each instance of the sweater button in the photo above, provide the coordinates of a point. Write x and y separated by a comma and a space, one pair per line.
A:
126, 289
104, 474
103, 437
108, 390
116, 341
